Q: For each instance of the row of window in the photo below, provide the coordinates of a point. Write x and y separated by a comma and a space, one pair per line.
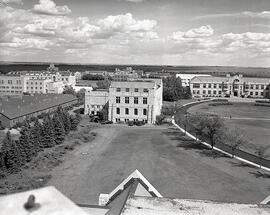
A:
136, 90
10, 82
10, 91
251, 86
127, 100
219, 92
135, 111
33, 88
128, 120
12, 87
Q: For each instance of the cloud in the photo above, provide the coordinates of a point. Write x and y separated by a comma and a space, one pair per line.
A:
49, 7
11, 1
245, 14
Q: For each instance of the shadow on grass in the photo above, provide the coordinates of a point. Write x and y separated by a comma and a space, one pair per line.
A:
259, 174
212, 154
188, 145
242, 164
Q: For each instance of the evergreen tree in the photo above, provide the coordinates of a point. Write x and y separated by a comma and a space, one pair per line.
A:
75, 120
66, 121
59, 130
36, 135
48, 133
26, 145
10, 154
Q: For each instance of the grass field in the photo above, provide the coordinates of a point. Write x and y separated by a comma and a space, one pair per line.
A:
253, 120
176, 166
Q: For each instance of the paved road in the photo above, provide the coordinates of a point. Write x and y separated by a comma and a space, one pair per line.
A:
177, 172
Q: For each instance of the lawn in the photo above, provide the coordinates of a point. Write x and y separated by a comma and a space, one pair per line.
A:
253, 120
176, 166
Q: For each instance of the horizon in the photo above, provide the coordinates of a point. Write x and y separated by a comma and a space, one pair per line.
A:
137, 32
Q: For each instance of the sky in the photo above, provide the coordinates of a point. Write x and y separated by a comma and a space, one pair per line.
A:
153, 32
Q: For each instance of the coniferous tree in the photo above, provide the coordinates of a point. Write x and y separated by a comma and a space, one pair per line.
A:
36, 135
26, 145
66, 121
75, 120
48, 133
59, 130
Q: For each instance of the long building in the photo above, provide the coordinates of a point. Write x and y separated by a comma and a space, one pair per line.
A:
33, 82
17, 109
230, 86
133, 100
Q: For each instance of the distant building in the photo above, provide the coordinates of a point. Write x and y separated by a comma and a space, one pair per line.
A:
50, 81
95, 101
229, 86
138, 100
17, 109
134, 100
126, 74
185, 78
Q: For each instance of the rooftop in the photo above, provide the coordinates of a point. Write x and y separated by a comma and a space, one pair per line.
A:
19, 106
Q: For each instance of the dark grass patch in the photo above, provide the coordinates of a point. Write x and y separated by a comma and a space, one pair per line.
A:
242, 164
213, 154
259, 174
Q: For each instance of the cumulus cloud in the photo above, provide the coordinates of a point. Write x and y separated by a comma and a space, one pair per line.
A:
49, 7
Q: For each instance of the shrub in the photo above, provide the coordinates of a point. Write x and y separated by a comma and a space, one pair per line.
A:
159, 119
130, 123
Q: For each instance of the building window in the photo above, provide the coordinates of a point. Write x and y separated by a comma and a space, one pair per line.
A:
126, 120
215, 85
219, 86
194, 92
144, 112
117, 119
262, 87
203, 92
118, 89
251, 86
136, 100
251, 93
209, 86
127, 100
256, 93
247, 86
136, 90
196, 85
204, 85
214, 92
135, 111
117, 99
126, 111
144, 101
145, 90
219, 92
117, 110
127, 90
261, 93
257, 87
209, 91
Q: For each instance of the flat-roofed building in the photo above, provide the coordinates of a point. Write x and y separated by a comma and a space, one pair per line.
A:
12, 85
95, 100
186, 78
137, 100
229, 86
17, 109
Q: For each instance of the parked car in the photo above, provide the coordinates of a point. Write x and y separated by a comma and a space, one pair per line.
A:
106, 122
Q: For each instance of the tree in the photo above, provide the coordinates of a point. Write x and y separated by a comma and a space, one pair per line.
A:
104, 84
196, 122
26, 145
213, 128
173, 89
10, 155
59, 130
234, 138
262, 153
69, 90
48, 133
66, 121
80, 95
36, 132
75, 120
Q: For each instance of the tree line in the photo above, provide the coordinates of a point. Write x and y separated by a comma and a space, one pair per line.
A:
36, 137
173, 89
211, 128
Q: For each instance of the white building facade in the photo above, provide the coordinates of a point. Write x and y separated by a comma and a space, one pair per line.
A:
95, 101
138, 100
230, 86
186, 78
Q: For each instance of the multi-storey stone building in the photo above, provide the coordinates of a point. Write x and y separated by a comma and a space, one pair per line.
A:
230, 86
138, 100
134, 100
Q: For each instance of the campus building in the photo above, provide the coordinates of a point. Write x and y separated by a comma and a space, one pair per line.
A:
33, 82
229, 86
186, 78
95, 100
17, 109
138, 100
133, 100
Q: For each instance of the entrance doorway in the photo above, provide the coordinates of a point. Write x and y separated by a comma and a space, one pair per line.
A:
235, 93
